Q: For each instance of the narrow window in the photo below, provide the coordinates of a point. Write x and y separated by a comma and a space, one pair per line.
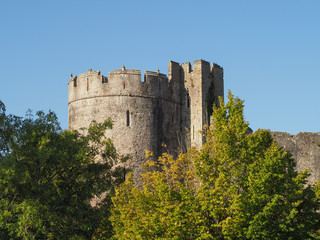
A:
124, 83
75, 83
188, 101
87, 84
128, 118
193, 132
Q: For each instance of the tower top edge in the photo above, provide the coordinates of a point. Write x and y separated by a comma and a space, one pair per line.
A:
123, 70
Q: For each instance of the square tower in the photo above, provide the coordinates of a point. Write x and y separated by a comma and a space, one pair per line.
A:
202, 88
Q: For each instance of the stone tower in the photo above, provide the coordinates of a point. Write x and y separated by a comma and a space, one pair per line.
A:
148, 112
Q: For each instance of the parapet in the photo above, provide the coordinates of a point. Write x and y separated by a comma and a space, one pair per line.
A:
173, 70
215, 65
186, 67
89, 73
119, 82
128, 82
199, 64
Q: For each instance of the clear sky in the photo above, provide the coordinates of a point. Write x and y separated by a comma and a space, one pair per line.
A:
270, 50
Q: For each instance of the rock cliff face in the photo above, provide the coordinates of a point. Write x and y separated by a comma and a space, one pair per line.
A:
305, 148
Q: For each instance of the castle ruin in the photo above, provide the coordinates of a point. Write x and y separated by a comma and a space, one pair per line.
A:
169, 109
149, 112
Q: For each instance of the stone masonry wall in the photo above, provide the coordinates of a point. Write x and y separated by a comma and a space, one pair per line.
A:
171, 110
150, 111
133, 106
202, 87
305, 148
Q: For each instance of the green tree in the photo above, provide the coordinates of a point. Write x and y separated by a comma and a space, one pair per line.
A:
166, 206
250, 189
48, 177
237, 186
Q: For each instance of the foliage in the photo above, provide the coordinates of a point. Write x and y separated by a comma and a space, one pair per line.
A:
49, 176
238, 186
165, 208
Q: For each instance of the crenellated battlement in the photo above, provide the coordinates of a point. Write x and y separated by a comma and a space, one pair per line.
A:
89, 73
120, 82
153, 84
214, 65
199, 64
148, 109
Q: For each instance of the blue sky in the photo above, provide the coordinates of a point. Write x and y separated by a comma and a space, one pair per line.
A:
270, 50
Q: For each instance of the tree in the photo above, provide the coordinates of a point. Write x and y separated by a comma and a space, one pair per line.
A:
165, 208
237, 186
49, 176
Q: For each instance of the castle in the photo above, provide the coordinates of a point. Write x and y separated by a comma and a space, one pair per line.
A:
150, 112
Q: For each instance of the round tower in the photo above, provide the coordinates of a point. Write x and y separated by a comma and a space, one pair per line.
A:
132, 105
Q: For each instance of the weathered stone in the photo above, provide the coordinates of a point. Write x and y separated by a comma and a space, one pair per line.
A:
305, 148
171, 110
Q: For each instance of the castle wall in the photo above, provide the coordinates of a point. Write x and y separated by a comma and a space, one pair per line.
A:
149, 113
217, 75
305, 149
194, 86
148, 107
126, 82
171, 110
202, 87
143, 118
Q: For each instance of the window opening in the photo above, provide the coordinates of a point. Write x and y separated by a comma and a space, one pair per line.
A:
87, 84
193, 132
124, 83
210, 102
188, 99
75, 83
128, 118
